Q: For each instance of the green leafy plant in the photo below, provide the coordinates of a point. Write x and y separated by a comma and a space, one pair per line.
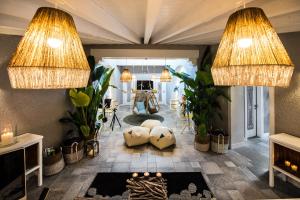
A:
202, 96
86, 101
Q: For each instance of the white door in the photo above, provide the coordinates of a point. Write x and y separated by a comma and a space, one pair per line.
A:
251, 111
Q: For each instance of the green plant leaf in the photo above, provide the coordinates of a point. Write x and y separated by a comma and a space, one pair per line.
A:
79, 99
73, 92
85, 130
89, 91
98, 72
202, 130
100, 116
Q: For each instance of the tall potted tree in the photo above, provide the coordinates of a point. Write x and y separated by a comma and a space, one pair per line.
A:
86, 101
202, 100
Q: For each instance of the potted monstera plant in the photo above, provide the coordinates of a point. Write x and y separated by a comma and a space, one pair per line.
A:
86, 101
202, 100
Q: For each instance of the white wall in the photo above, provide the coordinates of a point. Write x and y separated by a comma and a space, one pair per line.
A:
237, 116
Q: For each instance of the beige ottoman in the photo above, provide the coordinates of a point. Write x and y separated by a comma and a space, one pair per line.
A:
151, 123
136, 135
162, 137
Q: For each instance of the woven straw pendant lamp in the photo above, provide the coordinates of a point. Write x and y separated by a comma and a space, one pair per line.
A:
165, 76
250, 53
126, 76
50, 55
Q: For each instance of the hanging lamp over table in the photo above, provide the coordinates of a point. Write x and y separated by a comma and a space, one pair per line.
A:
50, 55
126, 76
165, 76
250, 53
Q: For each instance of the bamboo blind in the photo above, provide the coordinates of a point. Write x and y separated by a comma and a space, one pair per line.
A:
250, 53
126, 76
37, 64
165, 76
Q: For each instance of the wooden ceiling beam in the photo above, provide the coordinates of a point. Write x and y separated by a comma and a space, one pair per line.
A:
152, 13
92, 12
16, 22
204, 12
218, 25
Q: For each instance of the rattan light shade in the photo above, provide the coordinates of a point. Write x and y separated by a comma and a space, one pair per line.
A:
251, 53
50, 55
126, 76
165, 76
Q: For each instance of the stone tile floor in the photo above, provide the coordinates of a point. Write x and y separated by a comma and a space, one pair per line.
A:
240, 174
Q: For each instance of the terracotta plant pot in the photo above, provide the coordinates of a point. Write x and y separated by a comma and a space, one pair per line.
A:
219, 143
202, 145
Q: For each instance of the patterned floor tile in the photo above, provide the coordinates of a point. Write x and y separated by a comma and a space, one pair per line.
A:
240, 174
211, 168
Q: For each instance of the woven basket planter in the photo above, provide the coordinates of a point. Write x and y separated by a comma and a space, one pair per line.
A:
219, 143
73, 152
201, 146
53, 164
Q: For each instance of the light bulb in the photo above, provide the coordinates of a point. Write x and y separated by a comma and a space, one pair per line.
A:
54, 42
244, 42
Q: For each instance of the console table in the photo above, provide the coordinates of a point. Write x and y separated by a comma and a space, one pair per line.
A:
33, 146
284, 156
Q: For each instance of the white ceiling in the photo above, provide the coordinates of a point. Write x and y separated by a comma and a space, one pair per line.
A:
149, 21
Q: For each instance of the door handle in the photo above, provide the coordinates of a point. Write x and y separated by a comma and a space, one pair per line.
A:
255, 106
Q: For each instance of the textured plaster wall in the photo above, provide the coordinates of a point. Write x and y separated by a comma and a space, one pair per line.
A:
287, 100
35, 111
225, 122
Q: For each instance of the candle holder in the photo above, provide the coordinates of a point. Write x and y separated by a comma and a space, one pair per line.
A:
8, 135
92, 148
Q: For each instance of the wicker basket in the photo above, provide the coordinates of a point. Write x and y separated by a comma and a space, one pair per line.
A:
201, 146
219, 143
74, 152
54, 164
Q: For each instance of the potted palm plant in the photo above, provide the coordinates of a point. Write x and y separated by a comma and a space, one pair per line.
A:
86, 102
202, 100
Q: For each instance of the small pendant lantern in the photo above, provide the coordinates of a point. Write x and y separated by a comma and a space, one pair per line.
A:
126, 76
165, 74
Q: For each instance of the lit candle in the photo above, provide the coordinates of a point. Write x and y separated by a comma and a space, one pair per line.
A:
146, 174
7, 138
91, 152
294, 167
158, 174
287, 163
135, 174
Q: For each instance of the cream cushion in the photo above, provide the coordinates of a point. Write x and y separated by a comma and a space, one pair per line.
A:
151, 123
136, 135
162, 137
